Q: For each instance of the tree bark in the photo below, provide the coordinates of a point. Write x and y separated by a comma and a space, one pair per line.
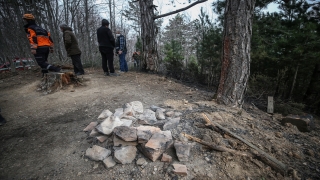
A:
148, 35
236, 59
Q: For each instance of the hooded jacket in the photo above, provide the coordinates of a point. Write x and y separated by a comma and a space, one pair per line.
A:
70, 42
38, 37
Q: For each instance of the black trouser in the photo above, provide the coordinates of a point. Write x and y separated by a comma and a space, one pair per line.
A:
107, 59
42, 59
77, 65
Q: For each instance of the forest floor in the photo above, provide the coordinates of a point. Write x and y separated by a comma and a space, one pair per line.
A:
44, 139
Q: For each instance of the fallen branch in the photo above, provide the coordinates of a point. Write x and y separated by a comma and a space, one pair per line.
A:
263, 156
217, 148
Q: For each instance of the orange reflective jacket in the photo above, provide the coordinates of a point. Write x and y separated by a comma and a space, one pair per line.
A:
38, 37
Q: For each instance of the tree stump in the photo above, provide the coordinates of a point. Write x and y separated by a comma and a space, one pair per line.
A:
54, 81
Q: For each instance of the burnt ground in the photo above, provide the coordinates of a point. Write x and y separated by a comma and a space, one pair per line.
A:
43, 137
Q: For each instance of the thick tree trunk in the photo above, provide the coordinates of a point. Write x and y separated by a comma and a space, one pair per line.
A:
148, 36
235, 68
313, 88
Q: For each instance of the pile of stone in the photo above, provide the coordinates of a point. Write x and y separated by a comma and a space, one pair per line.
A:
133, 128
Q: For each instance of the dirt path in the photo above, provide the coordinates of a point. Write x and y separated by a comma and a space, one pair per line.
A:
43, 138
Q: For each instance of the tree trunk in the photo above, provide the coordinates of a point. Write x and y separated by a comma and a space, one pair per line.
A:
235, 68
148, 36
312, 90
294, 81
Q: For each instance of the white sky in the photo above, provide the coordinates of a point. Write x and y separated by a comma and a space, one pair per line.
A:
164, 6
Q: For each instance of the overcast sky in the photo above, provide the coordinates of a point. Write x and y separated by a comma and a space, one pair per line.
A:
164, 6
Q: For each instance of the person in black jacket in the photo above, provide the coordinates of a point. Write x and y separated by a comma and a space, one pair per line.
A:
106, 45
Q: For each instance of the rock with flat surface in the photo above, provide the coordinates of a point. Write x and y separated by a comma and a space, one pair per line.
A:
137, 106
102, 138
144, 133
182, 150
180, 169
125, 155
171, 124
119, 142
107, 126
118, 112
160, 114
126, 133
304, 123
105, 114
126, 122
148, 117
91, 126
109, 162
157, 144
166, 158
97, 153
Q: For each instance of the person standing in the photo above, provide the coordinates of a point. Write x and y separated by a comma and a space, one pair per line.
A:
106, 46
72, 48
121, 50
40, 42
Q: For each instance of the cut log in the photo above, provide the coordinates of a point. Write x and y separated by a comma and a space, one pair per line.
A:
54, 81
214, 147
263, 156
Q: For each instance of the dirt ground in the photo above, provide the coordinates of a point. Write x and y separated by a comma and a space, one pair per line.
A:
43, 137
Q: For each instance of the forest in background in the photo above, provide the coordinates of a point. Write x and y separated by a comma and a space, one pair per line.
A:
285, 59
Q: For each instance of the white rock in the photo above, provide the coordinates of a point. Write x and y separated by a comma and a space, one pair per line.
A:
125, 155
97, 153
148, 117
105, 114
126, 122
118, 112
137, 106
107, 126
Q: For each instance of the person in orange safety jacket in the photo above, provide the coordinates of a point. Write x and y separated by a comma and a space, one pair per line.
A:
40, 42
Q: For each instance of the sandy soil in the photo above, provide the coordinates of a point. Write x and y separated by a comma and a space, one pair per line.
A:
43, 137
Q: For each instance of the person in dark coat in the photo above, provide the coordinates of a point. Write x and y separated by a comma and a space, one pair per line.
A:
72, 48
106, 46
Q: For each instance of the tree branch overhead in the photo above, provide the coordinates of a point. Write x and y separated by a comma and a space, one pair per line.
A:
179, 10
